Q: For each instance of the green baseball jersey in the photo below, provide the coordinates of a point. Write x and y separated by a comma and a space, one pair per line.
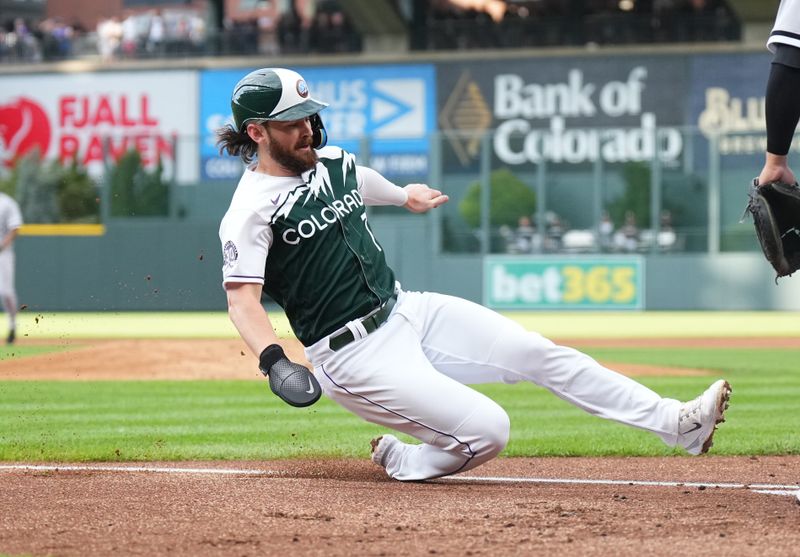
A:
307, 240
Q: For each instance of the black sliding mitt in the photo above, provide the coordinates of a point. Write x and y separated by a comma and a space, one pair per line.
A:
294, 383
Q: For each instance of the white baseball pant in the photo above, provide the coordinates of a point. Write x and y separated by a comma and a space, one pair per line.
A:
411, 375
8, 292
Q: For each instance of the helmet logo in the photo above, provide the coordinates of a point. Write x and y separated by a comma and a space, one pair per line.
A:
302, 88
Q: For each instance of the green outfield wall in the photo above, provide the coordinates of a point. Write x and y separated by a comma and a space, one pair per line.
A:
138, 264
143, 264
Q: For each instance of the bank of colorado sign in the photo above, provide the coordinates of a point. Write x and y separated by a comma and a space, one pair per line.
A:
566, 110
94, 119
517, 104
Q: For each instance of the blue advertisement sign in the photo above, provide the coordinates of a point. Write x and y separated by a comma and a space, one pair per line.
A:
727, 99
392, 105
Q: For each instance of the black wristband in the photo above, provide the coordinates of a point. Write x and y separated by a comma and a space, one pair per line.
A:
269, 356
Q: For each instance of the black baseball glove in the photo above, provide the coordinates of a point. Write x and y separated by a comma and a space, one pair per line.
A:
776, 214
294, 383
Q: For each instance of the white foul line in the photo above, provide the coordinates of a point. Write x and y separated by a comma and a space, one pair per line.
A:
154, 469
771, 489
779, 492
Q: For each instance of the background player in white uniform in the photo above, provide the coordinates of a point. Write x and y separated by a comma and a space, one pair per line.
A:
783, 104
10, 221
297, 228
783, 93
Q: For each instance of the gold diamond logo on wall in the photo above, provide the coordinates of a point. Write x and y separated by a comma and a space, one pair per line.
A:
464, 119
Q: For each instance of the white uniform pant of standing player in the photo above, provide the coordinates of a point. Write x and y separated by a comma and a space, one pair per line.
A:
8, 293
411, 375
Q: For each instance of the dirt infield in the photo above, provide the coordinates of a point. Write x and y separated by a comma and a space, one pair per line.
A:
189, 359
349, 508
520, 506
179, 359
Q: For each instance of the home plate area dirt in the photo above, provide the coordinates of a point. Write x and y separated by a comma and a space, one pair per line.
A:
349, 507
706, 505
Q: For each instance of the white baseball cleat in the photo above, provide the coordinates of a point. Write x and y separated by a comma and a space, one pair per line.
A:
380, 448
698, 418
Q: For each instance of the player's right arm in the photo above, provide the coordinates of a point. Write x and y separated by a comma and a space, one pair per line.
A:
292, 382
249, 316
9, 239
13, 222
246, 237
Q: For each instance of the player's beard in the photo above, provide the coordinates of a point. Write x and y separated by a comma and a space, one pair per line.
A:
292, 159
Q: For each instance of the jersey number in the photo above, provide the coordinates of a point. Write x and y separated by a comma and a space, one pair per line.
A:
371, 235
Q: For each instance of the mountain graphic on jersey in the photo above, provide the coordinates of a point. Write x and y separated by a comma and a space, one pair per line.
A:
325, 267
338, 199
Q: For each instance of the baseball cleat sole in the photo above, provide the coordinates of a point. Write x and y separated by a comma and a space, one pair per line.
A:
723, 402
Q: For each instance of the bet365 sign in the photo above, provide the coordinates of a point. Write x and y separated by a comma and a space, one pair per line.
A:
563, 283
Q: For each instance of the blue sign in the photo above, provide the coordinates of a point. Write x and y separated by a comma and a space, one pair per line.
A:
727, 99
392, 105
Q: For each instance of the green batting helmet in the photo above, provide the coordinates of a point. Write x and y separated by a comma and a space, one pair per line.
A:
272, 94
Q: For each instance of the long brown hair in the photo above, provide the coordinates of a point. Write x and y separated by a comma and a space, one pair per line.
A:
236, 143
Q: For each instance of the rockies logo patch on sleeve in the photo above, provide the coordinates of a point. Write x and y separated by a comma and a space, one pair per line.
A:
229, 254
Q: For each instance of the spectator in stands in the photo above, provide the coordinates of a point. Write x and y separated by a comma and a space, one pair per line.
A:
665, 221
53, 39
109, 38
525, 237
319, 35
290, 31
182, 29
554, 232
130, 36
267, 36
64, 35
23, 43
667, 238
345, 38
627, 237
156, 35
45, 34
605, 232
197, 33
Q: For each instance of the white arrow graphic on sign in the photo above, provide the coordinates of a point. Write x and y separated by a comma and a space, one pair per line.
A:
398, 108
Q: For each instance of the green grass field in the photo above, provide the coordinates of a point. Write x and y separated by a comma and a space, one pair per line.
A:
16, 351
595, 324
186, 420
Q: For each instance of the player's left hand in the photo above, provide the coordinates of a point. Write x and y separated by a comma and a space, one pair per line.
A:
422, 198
776, 169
